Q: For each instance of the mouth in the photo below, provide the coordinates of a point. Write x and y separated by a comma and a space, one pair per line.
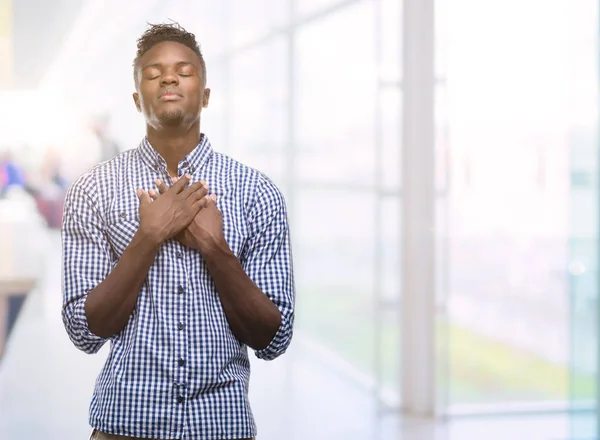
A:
170, 96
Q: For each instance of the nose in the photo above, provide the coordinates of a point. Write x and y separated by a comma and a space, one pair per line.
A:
169, 78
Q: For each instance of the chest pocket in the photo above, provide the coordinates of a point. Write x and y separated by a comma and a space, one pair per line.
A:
122, 224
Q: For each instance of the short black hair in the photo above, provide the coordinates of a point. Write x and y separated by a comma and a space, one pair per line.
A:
159, 33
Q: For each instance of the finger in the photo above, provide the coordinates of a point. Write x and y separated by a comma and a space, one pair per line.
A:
210, 201
195, 188
161, 185
143, 197
201, 203
204, 184
203, 199
153, 194
180, 185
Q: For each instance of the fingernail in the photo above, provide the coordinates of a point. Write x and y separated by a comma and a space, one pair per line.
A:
214, 197
158, 181
188, 176
138, 192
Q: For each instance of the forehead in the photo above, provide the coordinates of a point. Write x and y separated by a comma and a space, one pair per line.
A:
169, 52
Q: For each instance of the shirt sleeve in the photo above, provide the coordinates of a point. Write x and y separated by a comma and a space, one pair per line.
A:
268, 263
87, 261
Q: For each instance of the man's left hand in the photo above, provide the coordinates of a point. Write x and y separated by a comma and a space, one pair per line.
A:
206, 230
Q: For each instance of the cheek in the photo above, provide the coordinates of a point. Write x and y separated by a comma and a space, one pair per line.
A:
194, 101
145, 105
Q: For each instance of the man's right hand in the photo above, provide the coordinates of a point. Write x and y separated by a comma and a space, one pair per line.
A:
165, 217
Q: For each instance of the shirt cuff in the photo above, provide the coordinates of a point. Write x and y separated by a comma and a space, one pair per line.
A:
279, 343
77, 327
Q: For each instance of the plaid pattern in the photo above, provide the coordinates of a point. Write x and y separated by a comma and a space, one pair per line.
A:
176, 370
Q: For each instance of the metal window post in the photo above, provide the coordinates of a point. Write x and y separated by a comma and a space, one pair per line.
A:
418, 210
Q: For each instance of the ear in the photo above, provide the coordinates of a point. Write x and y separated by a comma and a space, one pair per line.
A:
136, 100
206, 98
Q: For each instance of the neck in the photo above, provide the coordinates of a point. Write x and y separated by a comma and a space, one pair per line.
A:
174, 143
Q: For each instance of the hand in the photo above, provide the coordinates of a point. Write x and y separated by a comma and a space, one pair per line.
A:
206, 229
162, 219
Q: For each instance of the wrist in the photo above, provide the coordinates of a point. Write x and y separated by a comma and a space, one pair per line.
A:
211, 246
147, 239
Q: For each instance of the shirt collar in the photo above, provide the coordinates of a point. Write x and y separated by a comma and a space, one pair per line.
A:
192, 162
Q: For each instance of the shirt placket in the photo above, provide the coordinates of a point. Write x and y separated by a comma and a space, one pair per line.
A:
182, 325
182, 259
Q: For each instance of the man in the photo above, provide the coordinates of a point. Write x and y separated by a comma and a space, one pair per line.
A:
180, 257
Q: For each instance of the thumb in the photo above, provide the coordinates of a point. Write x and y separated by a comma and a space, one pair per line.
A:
143, 196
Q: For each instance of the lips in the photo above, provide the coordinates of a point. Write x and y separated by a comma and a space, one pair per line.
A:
170, 95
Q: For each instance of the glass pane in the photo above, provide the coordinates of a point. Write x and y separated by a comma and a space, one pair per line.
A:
214, 118
388, 275
259, 100
309, 7
391, 139
207, 22
443, 9
582, 77
335, 94
334, 251
391, 40
510, 137
251, 20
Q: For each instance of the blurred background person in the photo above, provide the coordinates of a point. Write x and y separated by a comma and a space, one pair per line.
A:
12, 172
109, 147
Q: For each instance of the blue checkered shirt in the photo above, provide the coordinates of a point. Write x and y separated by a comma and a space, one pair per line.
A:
176, 371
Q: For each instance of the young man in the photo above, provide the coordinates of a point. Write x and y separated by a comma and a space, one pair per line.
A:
180, 257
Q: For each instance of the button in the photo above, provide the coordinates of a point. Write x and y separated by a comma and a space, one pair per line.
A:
123, 214
179, 254
192, 170
180, 326
181, 362
180, 289
185, 164
179, 399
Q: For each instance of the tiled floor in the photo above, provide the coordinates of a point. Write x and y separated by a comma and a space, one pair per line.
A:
45, 387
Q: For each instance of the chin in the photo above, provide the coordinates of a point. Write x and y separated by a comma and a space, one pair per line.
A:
174, 117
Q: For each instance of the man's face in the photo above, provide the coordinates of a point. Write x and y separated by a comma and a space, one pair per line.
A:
170, 85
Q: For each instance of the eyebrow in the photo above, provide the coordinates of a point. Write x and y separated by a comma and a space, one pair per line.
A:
179, 64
